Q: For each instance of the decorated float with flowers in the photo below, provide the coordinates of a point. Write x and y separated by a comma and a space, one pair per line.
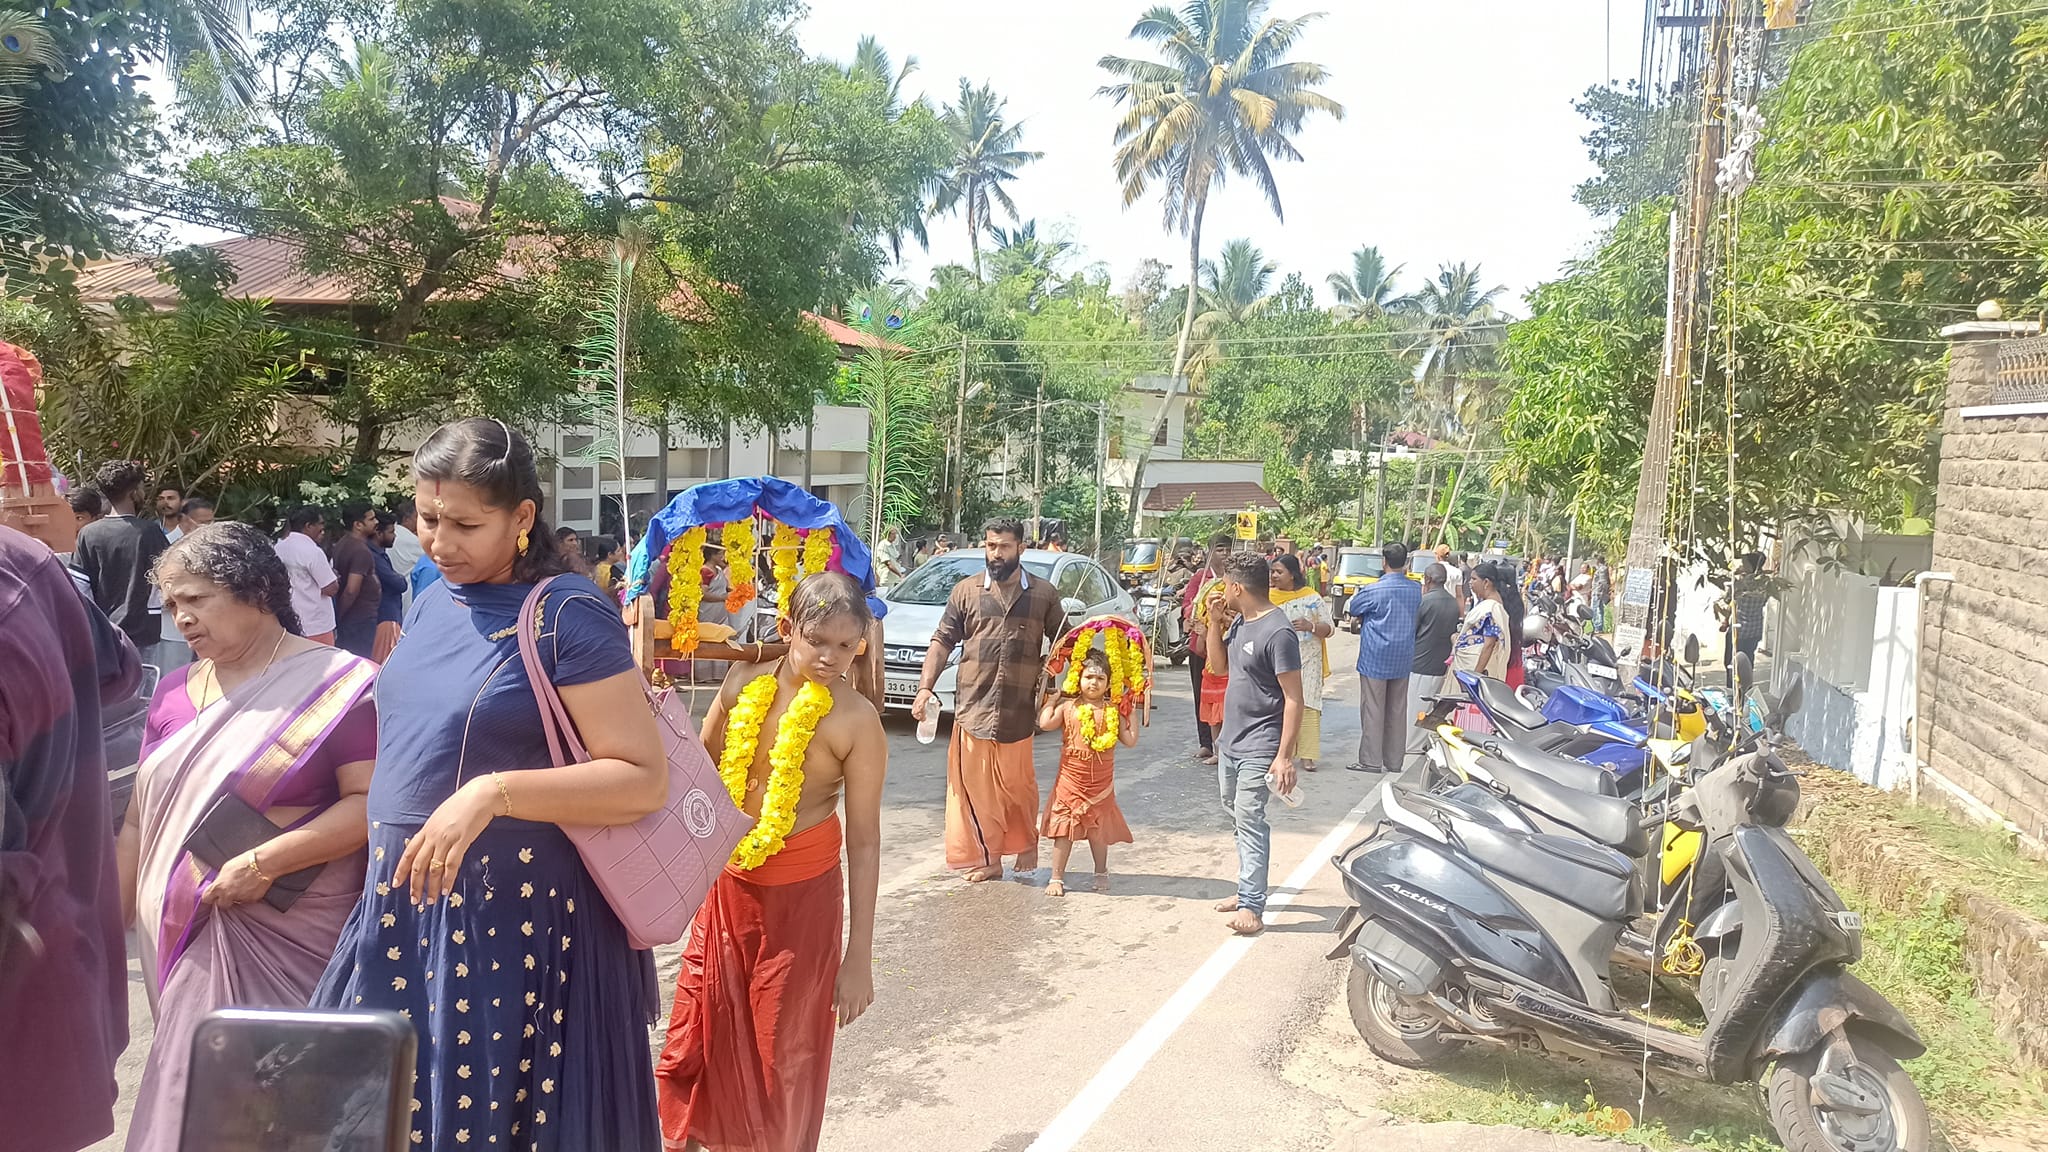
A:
767, 528
1130, 672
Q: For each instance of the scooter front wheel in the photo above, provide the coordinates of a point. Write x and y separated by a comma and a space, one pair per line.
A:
1396, 1032
1851, 1097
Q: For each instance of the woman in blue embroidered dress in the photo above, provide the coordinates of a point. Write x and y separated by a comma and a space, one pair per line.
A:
478, 920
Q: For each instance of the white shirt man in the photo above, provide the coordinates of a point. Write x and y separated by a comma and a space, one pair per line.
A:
313, 583
406, 549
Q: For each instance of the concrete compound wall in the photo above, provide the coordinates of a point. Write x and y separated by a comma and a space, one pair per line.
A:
1983, 669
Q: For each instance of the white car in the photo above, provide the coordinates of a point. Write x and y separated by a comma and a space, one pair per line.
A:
915, 605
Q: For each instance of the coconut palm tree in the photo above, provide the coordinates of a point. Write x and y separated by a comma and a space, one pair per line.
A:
1454, 374
1463, 331
1237, 289
985, 157
870, 59
1222, 99
901, 214
1367, 292
1231, 292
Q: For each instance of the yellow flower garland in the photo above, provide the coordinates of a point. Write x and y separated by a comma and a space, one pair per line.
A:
783, 550
817, 550
1136, 672
785, 760
1107, 740
686, 589
1083, 641
738, 538
1114, 644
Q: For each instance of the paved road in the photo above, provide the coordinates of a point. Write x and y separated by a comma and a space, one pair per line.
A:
1007, 1020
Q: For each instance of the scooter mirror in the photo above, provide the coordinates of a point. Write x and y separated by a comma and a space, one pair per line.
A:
1692, 649
1790, 701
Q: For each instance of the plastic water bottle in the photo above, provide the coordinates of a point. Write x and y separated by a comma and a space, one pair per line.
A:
928, 728
1292, 797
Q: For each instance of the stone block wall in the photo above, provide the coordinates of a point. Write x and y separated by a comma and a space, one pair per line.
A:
1983, 670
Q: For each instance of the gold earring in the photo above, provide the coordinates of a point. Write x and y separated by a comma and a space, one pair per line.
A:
523, 542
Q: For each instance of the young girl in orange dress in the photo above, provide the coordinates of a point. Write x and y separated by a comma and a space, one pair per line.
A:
1083, 804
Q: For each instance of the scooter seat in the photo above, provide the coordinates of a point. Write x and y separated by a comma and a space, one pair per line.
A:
1566, 770
1605, 820
1586, 876
1500, 702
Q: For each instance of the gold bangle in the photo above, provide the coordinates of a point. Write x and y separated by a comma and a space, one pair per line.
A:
255, 869
503, 793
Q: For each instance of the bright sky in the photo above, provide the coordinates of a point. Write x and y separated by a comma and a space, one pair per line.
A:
1459, 140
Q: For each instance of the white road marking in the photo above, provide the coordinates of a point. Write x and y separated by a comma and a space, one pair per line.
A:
1109, 1082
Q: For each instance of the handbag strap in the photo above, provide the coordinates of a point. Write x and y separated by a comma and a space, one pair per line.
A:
563, 745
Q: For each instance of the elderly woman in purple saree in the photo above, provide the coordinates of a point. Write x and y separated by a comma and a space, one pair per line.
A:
281, 723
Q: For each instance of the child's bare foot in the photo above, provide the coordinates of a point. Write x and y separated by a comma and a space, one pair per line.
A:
1229, 905
1056, 888
1102, 881
1246, 923
983, 873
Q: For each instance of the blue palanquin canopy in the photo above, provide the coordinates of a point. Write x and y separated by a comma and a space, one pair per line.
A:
724, 501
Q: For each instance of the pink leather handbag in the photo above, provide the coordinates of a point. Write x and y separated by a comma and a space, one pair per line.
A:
656, 871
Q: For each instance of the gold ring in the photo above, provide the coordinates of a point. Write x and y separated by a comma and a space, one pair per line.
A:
436, 863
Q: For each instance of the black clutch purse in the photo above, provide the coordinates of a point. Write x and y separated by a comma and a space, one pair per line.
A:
231, 827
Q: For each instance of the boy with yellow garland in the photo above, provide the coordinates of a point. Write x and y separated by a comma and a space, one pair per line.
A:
762, 982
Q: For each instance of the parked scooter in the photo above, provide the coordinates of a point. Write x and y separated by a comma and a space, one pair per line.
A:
1467, 930
1159, 614
1694, 913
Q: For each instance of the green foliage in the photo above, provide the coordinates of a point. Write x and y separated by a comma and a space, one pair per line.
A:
1289, 396
896, 385
1896, 187
1641, 143
195, 391
1584, 365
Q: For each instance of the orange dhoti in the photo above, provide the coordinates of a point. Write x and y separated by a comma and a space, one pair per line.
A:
749, 1046
1083, 804
991, 801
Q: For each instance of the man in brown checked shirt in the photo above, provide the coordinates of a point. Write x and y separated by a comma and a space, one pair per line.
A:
1003, 618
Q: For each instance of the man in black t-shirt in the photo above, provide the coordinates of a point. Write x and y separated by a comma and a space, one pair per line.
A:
355, 566
117, 552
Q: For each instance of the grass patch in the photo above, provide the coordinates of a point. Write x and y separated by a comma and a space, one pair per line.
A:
1971, 1078
1490, 1086
1971, 857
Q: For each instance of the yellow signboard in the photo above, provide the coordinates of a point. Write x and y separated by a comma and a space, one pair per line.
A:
1247, 525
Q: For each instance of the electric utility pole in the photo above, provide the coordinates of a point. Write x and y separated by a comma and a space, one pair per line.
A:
959, 442
1692, 221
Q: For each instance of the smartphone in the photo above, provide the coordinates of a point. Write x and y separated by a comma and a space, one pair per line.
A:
299, 1081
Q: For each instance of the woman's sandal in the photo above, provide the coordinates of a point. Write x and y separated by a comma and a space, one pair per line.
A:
1055, 888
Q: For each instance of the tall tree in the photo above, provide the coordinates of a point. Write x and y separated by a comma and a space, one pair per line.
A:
1223, 99
84, 113
1367, 292
1232, 292
985, 157
1463, 331
1455, 374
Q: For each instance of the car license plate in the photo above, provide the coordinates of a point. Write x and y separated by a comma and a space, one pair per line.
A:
904, 688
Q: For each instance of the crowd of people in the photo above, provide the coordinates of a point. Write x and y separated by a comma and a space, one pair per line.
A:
312, 827
355, 692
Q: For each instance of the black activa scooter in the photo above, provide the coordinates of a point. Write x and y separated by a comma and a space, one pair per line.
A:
1466, 930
